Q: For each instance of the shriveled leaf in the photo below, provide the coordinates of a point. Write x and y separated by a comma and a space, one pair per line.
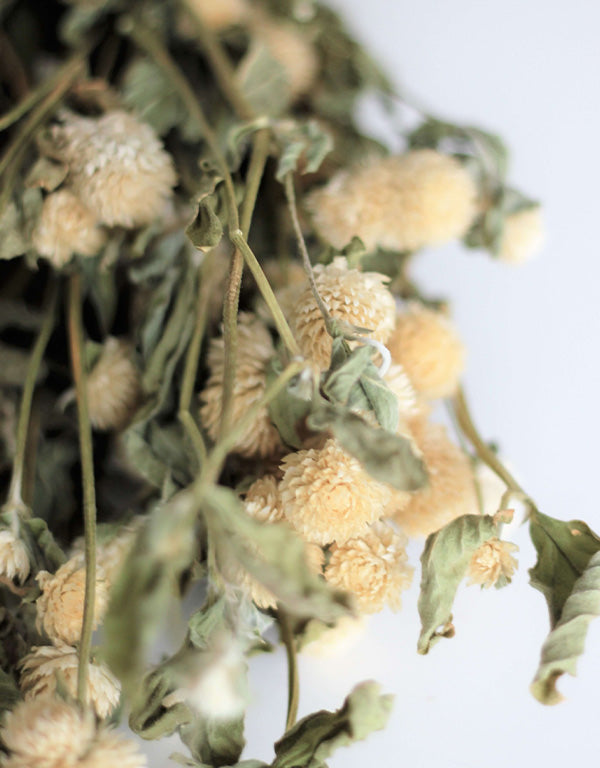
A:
345, 371
264, 82
206, 230
157, 452
382, 400
292, 405
316, 737
42, 546
386, 456
444, 562
565, 643
215, 742
139, 600
303, 146
563, 550
149, 718
274, 555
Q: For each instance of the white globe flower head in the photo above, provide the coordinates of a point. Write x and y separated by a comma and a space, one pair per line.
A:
14, 560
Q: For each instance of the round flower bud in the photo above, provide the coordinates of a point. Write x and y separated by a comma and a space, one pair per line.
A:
356, 298
523, 236
66, 227
60, 606
117, 167
113, 386
401, 203
46, 732
112, 749
450, 492
39, 677
492, 563
373, 567
427, 346
214, 15
255, 349
14, 560
327, 496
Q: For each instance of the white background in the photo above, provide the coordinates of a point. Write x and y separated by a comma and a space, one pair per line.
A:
528, 70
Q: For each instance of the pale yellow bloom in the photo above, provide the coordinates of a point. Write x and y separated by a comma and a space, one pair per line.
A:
112, 552
113, 386
255, 349
373, 567
66, 227
400, 384
60, 606
46, 732
214, 14
117, 167
355, 298
14, 560
450, 492
427, 346
492, 561
401, 203
523, 236
327, 496
112, 750
262, 501
45, 665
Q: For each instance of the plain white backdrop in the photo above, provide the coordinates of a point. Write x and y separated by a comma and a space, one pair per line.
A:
528, 70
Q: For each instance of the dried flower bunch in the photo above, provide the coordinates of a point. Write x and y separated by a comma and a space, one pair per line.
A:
237, 399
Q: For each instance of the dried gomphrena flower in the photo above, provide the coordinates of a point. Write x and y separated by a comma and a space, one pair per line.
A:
327, 496
523, 236
113, 386
355, 298
427, 346
66, 227
14, 560
45, 665
373, 567
492, 563
450, 491
255, 349
60, 606
402, 202
216, 16
118, 167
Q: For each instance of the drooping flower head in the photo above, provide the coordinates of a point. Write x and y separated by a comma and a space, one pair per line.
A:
113, 386
66, 227
40, 671
327, 496
373, 567
493, 563
255, 349
355, 298
402, 202
427, 346
118, 167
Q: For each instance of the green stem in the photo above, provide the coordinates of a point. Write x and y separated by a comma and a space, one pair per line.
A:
287, 638
291, 201
15, 493
12, 158
87, 472
266, 291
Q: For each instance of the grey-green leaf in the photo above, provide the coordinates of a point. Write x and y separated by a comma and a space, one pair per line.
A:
314, 738
206, 230
564, 550
444, 562
565, 643
214, 742
303, 147
264, 82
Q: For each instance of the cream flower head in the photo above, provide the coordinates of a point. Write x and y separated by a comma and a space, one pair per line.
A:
357, 298
40, 670
327, 496
117, 167
66, 227
60, 606
113, 386
402, 203
451, 489
427, 346
111, 749
46, 732
214, 15
14, 560
262, 501
491, 562
255, 349
523, 236
373, 567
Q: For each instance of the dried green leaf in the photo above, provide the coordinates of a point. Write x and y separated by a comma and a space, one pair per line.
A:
158, 452
215, 742
444, 562
564, 550
290, 408
264, 82
149, 718
44, 551
565, 643
303, 146
387, 457
206, 230
314, 738
164, 548
274, 555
